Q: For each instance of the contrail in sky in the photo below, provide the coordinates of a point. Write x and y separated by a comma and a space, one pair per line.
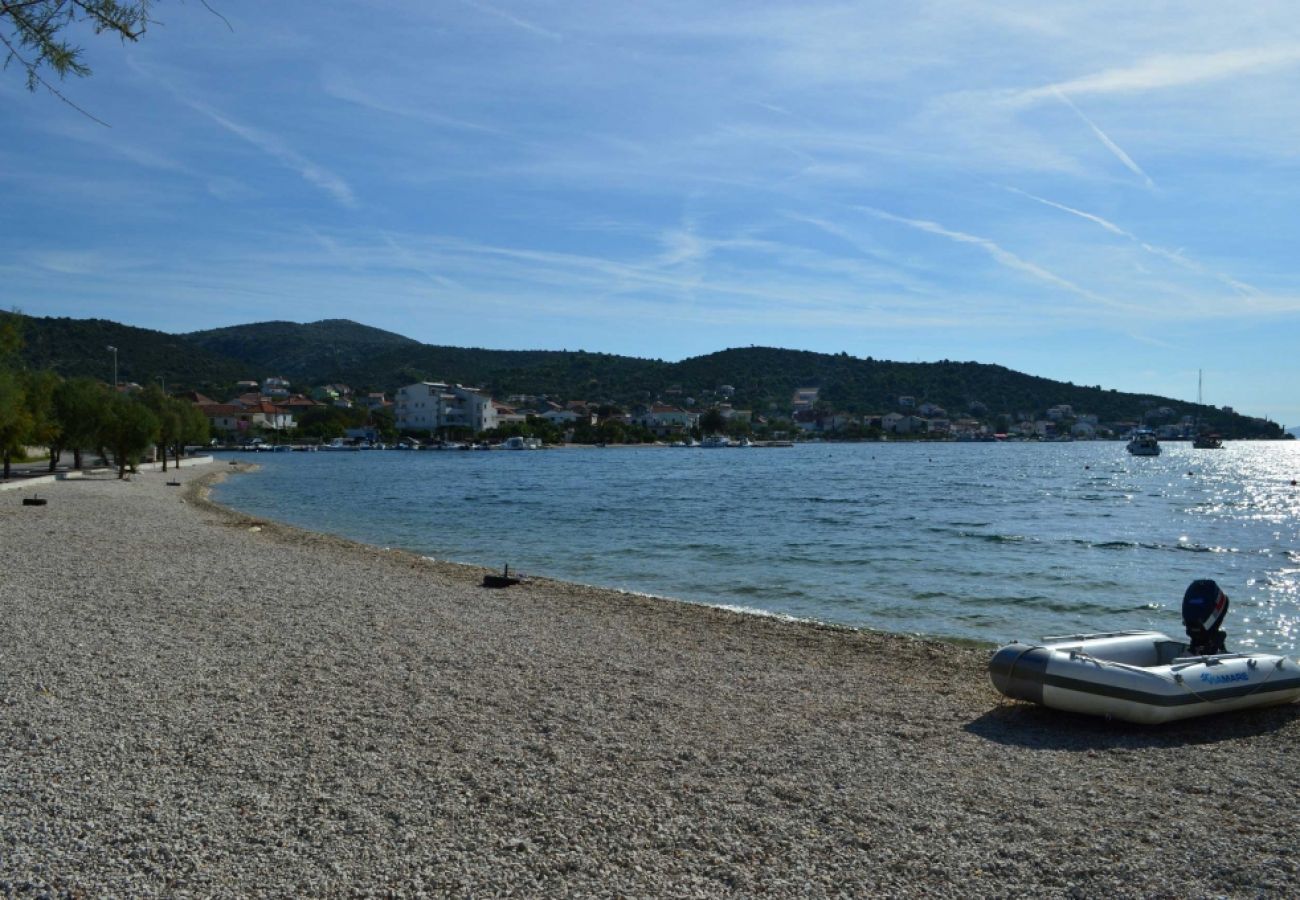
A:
1240, 287
514, 20
1003, 256
1109, 144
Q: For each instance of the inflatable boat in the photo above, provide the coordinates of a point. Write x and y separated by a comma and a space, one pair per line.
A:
1140, 676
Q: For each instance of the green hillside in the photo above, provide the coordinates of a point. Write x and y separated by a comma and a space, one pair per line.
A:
315, 353
79, 347
764, 378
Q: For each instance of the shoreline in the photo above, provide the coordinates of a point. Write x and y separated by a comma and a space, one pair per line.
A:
199, 493
198, 702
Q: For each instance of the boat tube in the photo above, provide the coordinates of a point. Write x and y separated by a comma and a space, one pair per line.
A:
1140, 676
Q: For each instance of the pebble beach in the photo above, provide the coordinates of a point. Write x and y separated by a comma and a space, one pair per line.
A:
195, 703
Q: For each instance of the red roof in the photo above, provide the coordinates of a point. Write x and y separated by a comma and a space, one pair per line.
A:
212, 410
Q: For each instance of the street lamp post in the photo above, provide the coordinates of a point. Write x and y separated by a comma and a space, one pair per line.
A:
114, 351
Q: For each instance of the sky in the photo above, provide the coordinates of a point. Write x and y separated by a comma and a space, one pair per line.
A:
1100, 193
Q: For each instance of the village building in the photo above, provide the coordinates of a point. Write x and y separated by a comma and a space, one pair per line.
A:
664, 420
435, 406
508, 415
240, 418
275, 387
804, 398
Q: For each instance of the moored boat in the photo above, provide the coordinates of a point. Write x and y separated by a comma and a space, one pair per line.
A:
1144, 443
1205, 439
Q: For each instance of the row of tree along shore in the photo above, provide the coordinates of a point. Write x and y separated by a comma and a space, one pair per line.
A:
78, 415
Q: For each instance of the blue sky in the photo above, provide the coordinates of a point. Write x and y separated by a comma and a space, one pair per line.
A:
1102, 193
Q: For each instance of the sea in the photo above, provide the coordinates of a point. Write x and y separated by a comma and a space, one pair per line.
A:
974, 541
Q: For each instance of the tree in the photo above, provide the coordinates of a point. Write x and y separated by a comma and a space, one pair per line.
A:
179, 423
168, 416
129, 427
712, 422
739, 427
384, 421
328, 422
43, 427
11, 335
79, 407
33, 31
15, 419
195, 429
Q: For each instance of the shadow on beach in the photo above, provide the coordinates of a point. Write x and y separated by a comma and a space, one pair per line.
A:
1037, 727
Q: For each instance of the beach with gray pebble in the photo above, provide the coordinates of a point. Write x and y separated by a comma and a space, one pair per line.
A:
194, 703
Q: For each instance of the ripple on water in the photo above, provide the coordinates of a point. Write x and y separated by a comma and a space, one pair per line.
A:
978, 541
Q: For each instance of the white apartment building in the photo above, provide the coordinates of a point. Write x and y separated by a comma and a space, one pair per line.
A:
433, 406
663, 419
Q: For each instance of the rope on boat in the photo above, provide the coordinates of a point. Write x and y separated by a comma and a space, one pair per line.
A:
1178, 676
1277, 667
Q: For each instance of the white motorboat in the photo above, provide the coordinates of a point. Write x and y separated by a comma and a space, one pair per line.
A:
716, 440
1140, 676
1144, 443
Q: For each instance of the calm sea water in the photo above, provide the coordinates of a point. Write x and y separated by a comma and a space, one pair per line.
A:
982, 541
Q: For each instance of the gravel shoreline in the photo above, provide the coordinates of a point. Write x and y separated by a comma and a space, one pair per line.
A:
196, 703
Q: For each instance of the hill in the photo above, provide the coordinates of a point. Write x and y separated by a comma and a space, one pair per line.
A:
317, 352
761, 378
79, 347
338, 350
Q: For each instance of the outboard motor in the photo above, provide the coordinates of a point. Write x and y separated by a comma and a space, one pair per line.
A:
1204, 607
